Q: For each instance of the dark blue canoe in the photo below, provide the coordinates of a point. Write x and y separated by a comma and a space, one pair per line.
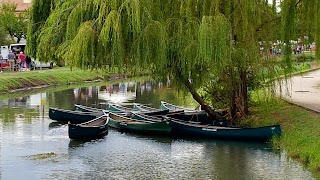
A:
96, 128
193, 130
75, 117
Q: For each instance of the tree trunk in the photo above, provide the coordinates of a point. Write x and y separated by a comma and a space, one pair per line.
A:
239, 98
233, 106
243, 94
214, 115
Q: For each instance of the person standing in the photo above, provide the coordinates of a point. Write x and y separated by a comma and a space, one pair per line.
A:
28, 62
22, 58
11, 59
1, 59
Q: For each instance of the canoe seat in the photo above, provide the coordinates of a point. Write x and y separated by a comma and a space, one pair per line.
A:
95, 123
194, 122
134, 122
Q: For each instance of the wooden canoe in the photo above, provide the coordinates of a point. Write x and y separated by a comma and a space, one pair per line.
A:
96, 128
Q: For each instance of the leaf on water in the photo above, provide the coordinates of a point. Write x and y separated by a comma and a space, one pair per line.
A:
42, 156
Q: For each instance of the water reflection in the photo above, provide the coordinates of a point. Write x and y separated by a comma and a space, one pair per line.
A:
158, 139
118, 93
56, 124
73, 144
26, 130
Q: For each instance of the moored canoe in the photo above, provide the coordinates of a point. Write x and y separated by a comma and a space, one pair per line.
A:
74, 117
96, 128
191, 130
127, 124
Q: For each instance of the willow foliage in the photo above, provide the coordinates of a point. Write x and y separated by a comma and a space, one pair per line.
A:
83, 47
215, 41
317, 24
37, 16
53, 32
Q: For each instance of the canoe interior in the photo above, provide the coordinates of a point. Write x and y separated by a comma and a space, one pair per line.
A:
117, 108
141, 107
127, 124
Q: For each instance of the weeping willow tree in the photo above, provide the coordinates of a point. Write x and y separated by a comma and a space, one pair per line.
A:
195, 43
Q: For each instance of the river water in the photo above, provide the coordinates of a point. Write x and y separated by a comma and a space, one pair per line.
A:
35, 147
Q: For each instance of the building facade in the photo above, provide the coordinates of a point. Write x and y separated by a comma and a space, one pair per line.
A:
21, 4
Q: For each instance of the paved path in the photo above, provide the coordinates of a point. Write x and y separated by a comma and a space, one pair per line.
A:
304, 90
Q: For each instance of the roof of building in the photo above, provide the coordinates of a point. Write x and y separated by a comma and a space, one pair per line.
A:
21, 4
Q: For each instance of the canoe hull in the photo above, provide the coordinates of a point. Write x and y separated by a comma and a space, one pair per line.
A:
74, 117
182, 129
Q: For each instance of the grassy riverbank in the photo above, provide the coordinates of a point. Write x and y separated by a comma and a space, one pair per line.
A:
300, 129
58, 76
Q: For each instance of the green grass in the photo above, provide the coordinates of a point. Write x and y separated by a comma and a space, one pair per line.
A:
58, 76
10, 81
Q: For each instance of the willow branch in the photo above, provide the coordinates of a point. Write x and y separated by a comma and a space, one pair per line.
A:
267, 22
297, 3
274, 19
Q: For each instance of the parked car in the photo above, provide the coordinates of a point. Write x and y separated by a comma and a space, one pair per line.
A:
4, 64
17, 48
35, 64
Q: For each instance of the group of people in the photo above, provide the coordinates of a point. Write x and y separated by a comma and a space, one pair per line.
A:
16, 61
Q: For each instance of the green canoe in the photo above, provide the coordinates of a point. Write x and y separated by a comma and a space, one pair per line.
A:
127, 124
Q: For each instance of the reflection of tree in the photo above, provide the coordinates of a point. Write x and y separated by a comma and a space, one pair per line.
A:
230, 158
150, 92
62, 99
66, 99
9, 115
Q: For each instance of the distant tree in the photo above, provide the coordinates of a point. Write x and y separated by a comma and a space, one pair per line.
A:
14, 24
3, 37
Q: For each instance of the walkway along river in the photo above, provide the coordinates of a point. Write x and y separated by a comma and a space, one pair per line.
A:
34, 147
304, 90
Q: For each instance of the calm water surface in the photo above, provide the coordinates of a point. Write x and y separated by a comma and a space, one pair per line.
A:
35, 147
